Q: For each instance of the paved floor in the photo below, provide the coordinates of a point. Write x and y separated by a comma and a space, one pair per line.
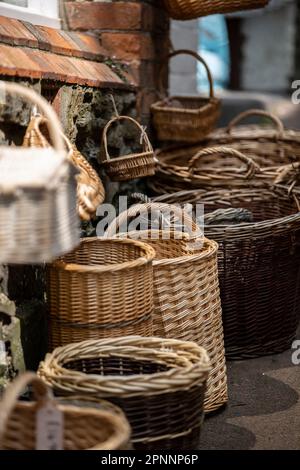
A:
264, 406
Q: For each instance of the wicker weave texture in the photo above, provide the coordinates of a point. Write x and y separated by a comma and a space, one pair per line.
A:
103, 288
190, 9
85, 428
159, 384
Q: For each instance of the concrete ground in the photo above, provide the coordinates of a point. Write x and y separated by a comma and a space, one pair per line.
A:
263, 411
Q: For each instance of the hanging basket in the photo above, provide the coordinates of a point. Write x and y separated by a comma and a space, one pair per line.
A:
190, 9
128, 167
84, 428
37, 195
185, 118
259, 266
187, 302
90, 190
158, 383
104, 288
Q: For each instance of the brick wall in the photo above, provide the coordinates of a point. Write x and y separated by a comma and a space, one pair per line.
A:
134, 32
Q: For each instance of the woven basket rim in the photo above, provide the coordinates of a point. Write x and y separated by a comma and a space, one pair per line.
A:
163, 107
149, 254
131, 156
193, 365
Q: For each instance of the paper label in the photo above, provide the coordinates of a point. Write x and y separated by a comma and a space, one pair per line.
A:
49, 428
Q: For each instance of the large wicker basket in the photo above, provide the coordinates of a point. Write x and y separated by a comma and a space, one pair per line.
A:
103, 288
259, 266
186, 292
90, 190
158, 383
190, 9
185, 118
37, 195
85, 428
128, 167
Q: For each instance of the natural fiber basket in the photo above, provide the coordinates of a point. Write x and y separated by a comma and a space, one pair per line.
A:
90, 190
37, 194
85, 428
128, 167
186, 292
190, 9
158, 383
259, 266
185, 118
104, 288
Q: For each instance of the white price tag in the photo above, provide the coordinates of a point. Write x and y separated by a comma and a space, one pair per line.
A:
49, 428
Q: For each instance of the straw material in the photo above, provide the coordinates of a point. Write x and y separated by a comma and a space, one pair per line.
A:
158, 383
128, 167
259, 266
90, 190
190, 9
104, 288
38, 195
186, 292
185, 118
85, 428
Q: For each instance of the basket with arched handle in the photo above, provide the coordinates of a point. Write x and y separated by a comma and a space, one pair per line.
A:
37, 194
185, 118
131, 166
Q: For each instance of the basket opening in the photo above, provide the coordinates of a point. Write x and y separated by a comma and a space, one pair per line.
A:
115, 365
186, 102
104, 252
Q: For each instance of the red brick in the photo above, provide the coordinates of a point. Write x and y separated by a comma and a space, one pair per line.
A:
14, 32
129, 46
85, 16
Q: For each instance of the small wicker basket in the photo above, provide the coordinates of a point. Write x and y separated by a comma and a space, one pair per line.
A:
128, 167
190, 9
37, 195
104, 288
85, 428
185, 118
158, 383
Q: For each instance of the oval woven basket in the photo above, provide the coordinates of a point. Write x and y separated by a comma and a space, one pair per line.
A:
190, 9
259, 266
85, 428
158, 383
104, 288
186, 292
185, 118
90, 190
128, 167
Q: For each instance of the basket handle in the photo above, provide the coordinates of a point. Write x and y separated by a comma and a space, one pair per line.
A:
192, 54
10, 397
144, 137
30, 95
252, 167
256, 112
139, 208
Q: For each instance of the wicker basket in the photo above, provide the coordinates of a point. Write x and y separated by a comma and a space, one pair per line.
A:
128, 167
185, 118
186, 293
85, 428
158, 383
37, 195
90, 190
190, 9
259, 267
103, 288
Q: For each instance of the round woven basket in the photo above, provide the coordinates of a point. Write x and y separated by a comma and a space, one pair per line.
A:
158, 383
259, 266
103, 288
185, 118
186, 291
90, 190
190, 9
128, 167
85, 428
